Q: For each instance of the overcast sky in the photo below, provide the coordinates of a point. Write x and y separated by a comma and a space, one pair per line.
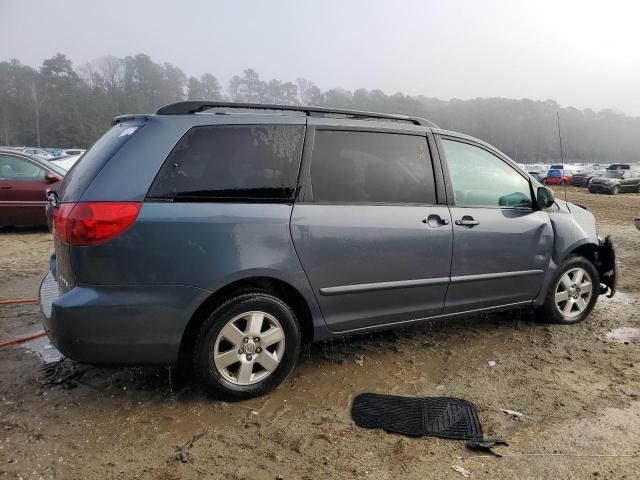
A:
580, 53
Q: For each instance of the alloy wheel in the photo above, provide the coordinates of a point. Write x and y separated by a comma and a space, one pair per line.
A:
249, 348
573, 292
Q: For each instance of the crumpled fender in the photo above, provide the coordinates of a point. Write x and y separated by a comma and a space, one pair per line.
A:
607, 267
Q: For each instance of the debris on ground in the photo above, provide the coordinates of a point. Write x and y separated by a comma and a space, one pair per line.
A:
183, 454
512, 413
461, 470
491, 363
485, 445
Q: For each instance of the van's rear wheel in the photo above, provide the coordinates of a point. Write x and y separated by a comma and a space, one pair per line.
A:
247, 346
573, 292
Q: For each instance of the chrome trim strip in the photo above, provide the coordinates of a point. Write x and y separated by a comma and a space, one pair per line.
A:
494, 276
372, 287
26, 203
423, 282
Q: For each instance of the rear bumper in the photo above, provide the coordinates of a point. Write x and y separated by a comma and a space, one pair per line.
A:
607, 267
118, 325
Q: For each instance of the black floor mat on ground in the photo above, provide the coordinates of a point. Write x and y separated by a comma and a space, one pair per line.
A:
443, 417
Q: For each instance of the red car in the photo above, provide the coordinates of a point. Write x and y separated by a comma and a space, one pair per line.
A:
558, 177
24, 180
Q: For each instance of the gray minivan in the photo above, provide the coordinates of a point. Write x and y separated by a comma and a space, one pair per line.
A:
229, 234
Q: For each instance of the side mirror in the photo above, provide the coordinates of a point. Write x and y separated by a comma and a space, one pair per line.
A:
544, 197
50, 177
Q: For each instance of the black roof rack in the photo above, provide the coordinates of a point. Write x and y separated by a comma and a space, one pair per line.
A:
194, 106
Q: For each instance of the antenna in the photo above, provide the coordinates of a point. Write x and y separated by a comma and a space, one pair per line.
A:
561, 157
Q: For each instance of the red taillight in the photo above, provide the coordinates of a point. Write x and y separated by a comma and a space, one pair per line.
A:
93, 223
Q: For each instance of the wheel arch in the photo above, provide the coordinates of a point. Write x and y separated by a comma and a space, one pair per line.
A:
274, 286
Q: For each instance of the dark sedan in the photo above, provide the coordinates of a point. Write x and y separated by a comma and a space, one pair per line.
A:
616, 181
583, 179
24, 180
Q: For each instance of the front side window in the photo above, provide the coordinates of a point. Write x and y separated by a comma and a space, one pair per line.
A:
232, 162
371, 167
16, 168
481, 179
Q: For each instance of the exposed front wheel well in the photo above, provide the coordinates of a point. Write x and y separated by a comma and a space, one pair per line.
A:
278, 288
587, 251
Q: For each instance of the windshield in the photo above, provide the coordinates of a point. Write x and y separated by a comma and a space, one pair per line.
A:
613, 174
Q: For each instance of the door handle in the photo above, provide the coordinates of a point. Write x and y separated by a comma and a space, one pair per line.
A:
467, 221
5, 187
435, 221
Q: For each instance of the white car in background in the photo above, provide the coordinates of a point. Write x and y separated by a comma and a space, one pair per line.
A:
73, 152
39, 152
66, 162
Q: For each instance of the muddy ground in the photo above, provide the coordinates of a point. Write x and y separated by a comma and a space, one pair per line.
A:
578, 387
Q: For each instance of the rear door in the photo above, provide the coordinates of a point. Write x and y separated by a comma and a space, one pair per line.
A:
501, 244
631, 181
22, 191
373, 242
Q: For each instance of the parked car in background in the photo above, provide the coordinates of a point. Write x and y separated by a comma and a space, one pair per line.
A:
229, 240
620, 166
24, 180
614, 182
557, 177
539, 175
39, 152
66, 162
583, 178
72, 152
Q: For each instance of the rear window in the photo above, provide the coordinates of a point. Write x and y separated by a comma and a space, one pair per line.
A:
619, 166
82, 173
232, 162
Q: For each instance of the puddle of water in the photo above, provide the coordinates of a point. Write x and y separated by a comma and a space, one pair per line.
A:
623, 334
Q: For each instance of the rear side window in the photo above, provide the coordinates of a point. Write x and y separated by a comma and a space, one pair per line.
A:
232, 162
371, 167
82, 173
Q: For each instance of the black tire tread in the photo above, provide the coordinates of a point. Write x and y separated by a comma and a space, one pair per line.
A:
245, 392
547, 313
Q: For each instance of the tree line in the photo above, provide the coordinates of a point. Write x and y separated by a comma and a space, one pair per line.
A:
57, 105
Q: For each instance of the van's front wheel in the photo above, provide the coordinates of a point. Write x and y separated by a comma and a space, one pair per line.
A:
247, 346
573, 292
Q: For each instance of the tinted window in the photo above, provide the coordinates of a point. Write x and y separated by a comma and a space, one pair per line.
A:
481, 179
78, 178
233, 162
373, 167
16, 168
613, 174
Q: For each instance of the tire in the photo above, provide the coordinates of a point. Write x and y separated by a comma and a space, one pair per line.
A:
559, 312
592, 190
247, 368
615, 190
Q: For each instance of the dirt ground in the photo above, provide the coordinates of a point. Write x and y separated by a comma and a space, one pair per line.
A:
577, 386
